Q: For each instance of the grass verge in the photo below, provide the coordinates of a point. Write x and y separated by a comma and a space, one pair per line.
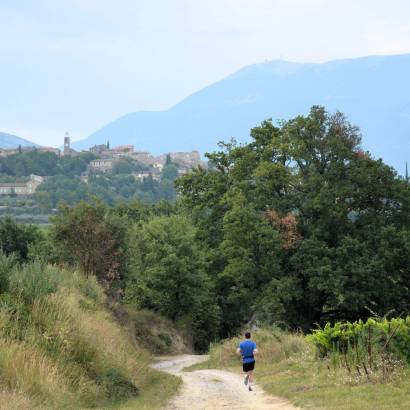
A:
160, 388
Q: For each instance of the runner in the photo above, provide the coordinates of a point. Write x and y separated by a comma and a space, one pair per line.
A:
247, 349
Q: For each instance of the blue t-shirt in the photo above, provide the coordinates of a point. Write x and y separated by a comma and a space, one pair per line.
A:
247, 347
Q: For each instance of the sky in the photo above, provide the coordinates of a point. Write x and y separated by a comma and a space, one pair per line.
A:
75, 65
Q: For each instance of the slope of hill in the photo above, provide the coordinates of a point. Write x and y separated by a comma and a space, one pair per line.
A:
61, 348
374, 92
12, 141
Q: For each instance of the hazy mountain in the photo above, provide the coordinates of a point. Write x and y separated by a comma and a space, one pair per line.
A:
373, 91
12, 141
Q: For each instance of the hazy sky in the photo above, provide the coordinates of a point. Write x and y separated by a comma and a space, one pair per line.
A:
75, 65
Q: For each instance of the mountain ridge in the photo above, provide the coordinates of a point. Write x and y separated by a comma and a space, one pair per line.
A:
373, 92
9, 141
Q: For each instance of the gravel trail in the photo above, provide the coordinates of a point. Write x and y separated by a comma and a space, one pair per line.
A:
213, 389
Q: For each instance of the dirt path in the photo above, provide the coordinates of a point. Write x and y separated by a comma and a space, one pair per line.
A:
215, 389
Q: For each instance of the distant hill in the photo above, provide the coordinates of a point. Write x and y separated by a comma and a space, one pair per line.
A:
12, 141
374, 92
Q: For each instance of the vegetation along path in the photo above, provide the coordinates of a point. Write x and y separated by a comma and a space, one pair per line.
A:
215, 389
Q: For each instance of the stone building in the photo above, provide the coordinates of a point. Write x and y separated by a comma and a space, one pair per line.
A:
67, 145
143, 157
49, 149
102, 164
98, 149
21, 188
186, 160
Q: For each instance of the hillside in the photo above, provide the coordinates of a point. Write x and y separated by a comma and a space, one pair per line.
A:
12, 141
374, 92
60, 347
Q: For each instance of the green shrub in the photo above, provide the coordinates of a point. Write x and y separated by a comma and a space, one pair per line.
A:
391, 335
373, 349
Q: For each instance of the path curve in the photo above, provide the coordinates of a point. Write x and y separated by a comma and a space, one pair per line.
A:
213, 389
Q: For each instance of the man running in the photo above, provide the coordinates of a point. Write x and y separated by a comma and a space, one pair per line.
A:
247, 349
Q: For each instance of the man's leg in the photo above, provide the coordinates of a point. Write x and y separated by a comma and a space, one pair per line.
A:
250, 375
246, 378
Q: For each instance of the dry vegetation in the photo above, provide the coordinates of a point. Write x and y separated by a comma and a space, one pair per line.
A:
61, 348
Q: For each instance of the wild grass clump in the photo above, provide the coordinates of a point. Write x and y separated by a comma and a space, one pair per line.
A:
156, 333
20, 402
59, 346
273, 344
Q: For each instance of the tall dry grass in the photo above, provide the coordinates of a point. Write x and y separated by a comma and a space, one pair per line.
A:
273, 346
59, 346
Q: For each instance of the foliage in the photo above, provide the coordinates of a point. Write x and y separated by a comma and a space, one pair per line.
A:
111, 188
169, 171
61, 188
93, 239
44, 163
297, 228
16, 239
301, 225
365, 347
167, 274
128, 166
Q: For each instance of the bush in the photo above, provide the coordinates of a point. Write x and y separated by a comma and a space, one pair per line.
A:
373, 349
16, 238
390, 335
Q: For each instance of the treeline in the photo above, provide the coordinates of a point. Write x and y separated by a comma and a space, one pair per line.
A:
297, 228
64, 183
111, 187
301, 226
44, 164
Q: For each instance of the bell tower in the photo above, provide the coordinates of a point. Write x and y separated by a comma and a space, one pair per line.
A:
67, 143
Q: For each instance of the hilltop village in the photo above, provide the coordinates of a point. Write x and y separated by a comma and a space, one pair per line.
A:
35, 181
184, 161
104, 160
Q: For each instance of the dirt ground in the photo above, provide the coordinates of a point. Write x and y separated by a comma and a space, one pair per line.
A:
215, 389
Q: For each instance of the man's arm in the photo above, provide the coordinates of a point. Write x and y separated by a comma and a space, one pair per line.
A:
238, 351
255, 350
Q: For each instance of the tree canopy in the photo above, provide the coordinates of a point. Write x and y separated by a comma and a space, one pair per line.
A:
306, 179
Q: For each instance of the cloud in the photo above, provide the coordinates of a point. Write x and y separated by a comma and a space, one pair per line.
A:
77, 64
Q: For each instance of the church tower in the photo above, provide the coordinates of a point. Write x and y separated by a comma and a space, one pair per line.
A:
67, 143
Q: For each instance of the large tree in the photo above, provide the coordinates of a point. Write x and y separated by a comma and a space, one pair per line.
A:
167, 274
92, 238
344, 253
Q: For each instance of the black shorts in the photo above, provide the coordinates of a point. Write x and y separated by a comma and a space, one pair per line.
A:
247, 367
